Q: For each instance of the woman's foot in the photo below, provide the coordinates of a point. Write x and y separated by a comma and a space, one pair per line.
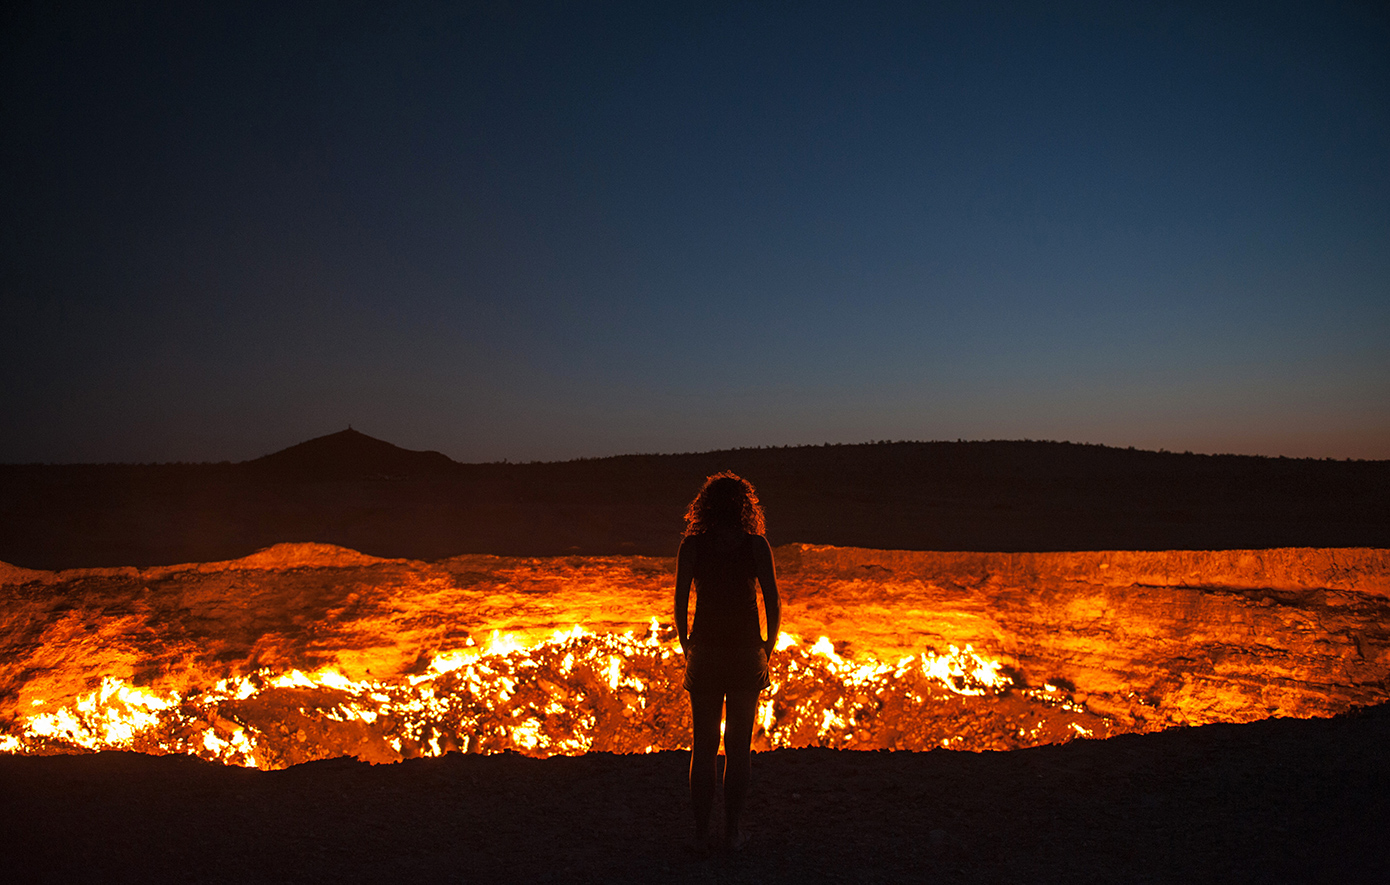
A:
735, 840
700, 846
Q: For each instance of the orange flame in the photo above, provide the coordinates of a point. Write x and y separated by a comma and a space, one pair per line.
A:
302, 652
572, 693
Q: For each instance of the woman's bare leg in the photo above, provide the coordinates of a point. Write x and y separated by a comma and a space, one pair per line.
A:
706, 709
739, 719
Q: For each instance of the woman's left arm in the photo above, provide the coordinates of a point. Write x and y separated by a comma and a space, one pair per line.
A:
772, 605
683, 579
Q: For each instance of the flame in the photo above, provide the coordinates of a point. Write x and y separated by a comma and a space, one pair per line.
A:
109, 717
570, 693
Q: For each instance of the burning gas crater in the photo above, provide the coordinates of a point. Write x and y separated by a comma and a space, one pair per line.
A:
573, 693
306, 652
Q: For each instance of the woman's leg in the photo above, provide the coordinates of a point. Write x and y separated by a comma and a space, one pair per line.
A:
739, 719
706, 709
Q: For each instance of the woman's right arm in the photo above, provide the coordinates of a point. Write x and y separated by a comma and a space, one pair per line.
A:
683, 578
772, 604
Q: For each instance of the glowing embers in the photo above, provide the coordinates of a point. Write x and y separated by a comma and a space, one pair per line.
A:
573, 693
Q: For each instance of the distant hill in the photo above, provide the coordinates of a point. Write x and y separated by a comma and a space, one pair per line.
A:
355, 491
349, 454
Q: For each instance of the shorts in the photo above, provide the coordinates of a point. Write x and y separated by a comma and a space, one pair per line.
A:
716, 669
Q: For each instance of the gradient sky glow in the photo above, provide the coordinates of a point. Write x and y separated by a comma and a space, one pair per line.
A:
562, 230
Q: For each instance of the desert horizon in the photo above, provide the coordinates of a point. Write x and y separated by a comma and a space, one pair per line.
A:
366, 494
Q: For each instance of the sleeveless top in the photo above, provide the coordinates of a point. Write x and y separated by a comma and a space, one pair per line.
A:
726, 595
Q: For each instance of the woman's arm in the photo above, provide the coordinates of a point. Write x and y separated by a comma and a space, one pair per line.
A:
772, 605
683, 594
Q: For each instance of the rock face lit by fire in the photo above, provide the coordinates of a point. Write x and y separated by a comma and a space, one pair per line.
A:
308, 651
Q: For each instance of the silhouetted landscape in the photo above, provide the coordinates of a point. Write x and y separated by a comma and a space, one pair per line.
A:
355, 491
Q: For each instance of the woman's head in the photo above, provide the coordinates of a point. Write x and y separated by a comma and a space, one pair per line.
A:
727, 501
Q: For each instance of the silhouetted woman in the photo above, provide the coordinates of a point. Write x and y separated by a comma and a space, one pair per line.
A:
726, 556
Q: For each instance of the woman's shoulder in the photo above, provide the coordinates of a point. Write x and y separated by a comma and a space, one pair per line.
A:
754, 546
759, 543
692, 544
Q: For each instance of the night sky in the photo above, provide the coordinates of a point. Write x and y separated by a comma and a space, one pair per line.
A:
546, 231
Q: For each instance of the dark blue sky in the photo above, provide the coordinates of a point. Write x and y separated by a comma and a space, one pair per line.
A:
548, 231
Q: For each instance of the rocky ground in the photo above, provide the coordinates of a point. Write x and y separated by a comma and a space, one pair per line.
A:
1279, 800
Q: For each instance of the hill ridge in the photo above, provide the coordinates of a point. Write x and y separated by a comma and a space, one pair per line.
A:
365, 494
350, 453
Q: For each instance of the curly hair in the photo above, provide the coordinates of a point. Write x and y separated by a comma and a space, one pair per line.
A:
725, 500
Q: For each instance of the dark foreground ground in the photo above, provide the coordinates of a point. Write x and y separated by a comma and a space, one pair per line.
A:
1271, 802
